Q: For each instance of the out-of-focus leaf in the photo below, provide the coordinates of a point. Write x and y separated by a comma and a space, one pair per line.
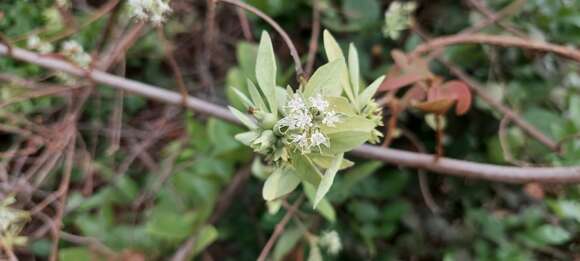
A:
286, 242
266, 71
74, 254
280, 183
327, 179
205, 237
324, 207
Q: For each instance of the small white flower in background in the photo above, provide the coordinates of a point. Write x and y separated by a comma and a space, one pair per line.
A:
318, 139
74, 51
34, 43
331, 241
153, 10
330, 119
11, 223
296, 103
319, 103
398, 18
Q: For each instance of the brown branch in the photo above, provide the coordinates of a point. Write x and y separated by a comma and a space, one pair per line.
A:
278, 28
313, 45
491, 16
480, 91
397, 157
168, 47
500, 40
279, 229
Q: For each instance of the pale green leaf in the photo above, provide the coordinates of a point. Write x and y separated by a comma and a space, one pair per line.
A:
340, 105
333, 52
368, 93
243, 118
74, 254
331, 47
280, 183
314, 254
345, 141
206, 236
305, 169
247, 137
325, 80
353, 69
327, 179
256, 97
266, 71
325, 161
324, 207
243, 98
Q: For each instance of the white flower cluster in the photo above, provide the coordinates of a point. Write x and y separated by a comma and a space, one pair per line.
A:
34, 43
331, 241
74, 51
152, 10
11, 222
304, 119
398, 18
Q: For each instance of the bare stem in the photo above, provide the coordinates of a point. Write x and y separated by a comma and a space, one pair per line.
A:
278, 28
398, 157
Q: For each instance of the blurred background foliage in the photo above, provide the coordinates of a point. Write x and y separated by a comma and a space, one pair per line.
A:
378, 210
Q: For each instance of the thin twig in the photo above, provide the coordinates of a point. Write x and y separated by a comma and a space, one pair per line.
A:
499, 40
279, 229
168, 47
313, 45
278, 28
480, 91
397, 157
63, 191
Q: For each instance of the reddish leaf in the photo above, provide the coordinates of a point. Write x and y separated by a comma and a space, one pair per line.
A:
416, 93
463, 95
393, 83
440, 106
455, 90
400, 58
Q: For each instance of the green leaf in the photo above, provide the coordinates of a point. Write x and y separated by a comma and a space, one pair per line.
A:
287, 242
167, 225
348, 134
331, 47
325, 161
324, 207
206, 236
280, 183
74, 254
314, 254
333, 52
305, 169
266, 71
566, 209
341, 105
353, 69
246, 53
325, 80
327, 179
243, 118
256, 97
369, 92
247, 137
575, 110
242, 97
551, 234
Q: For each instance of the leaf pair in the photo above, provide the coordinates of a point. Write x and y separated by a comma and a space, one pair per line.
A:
428, 92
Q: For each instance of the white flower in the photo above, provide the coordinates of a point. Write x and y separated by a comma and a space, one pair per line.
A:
33, 42
319, 103
75, 52
331, 241
154, 10
301, 140
71, 47
318, 138
330, 119
296, 103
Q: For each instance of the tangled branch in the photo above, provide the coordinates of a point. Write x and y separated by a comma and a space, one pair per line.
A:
398, 157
